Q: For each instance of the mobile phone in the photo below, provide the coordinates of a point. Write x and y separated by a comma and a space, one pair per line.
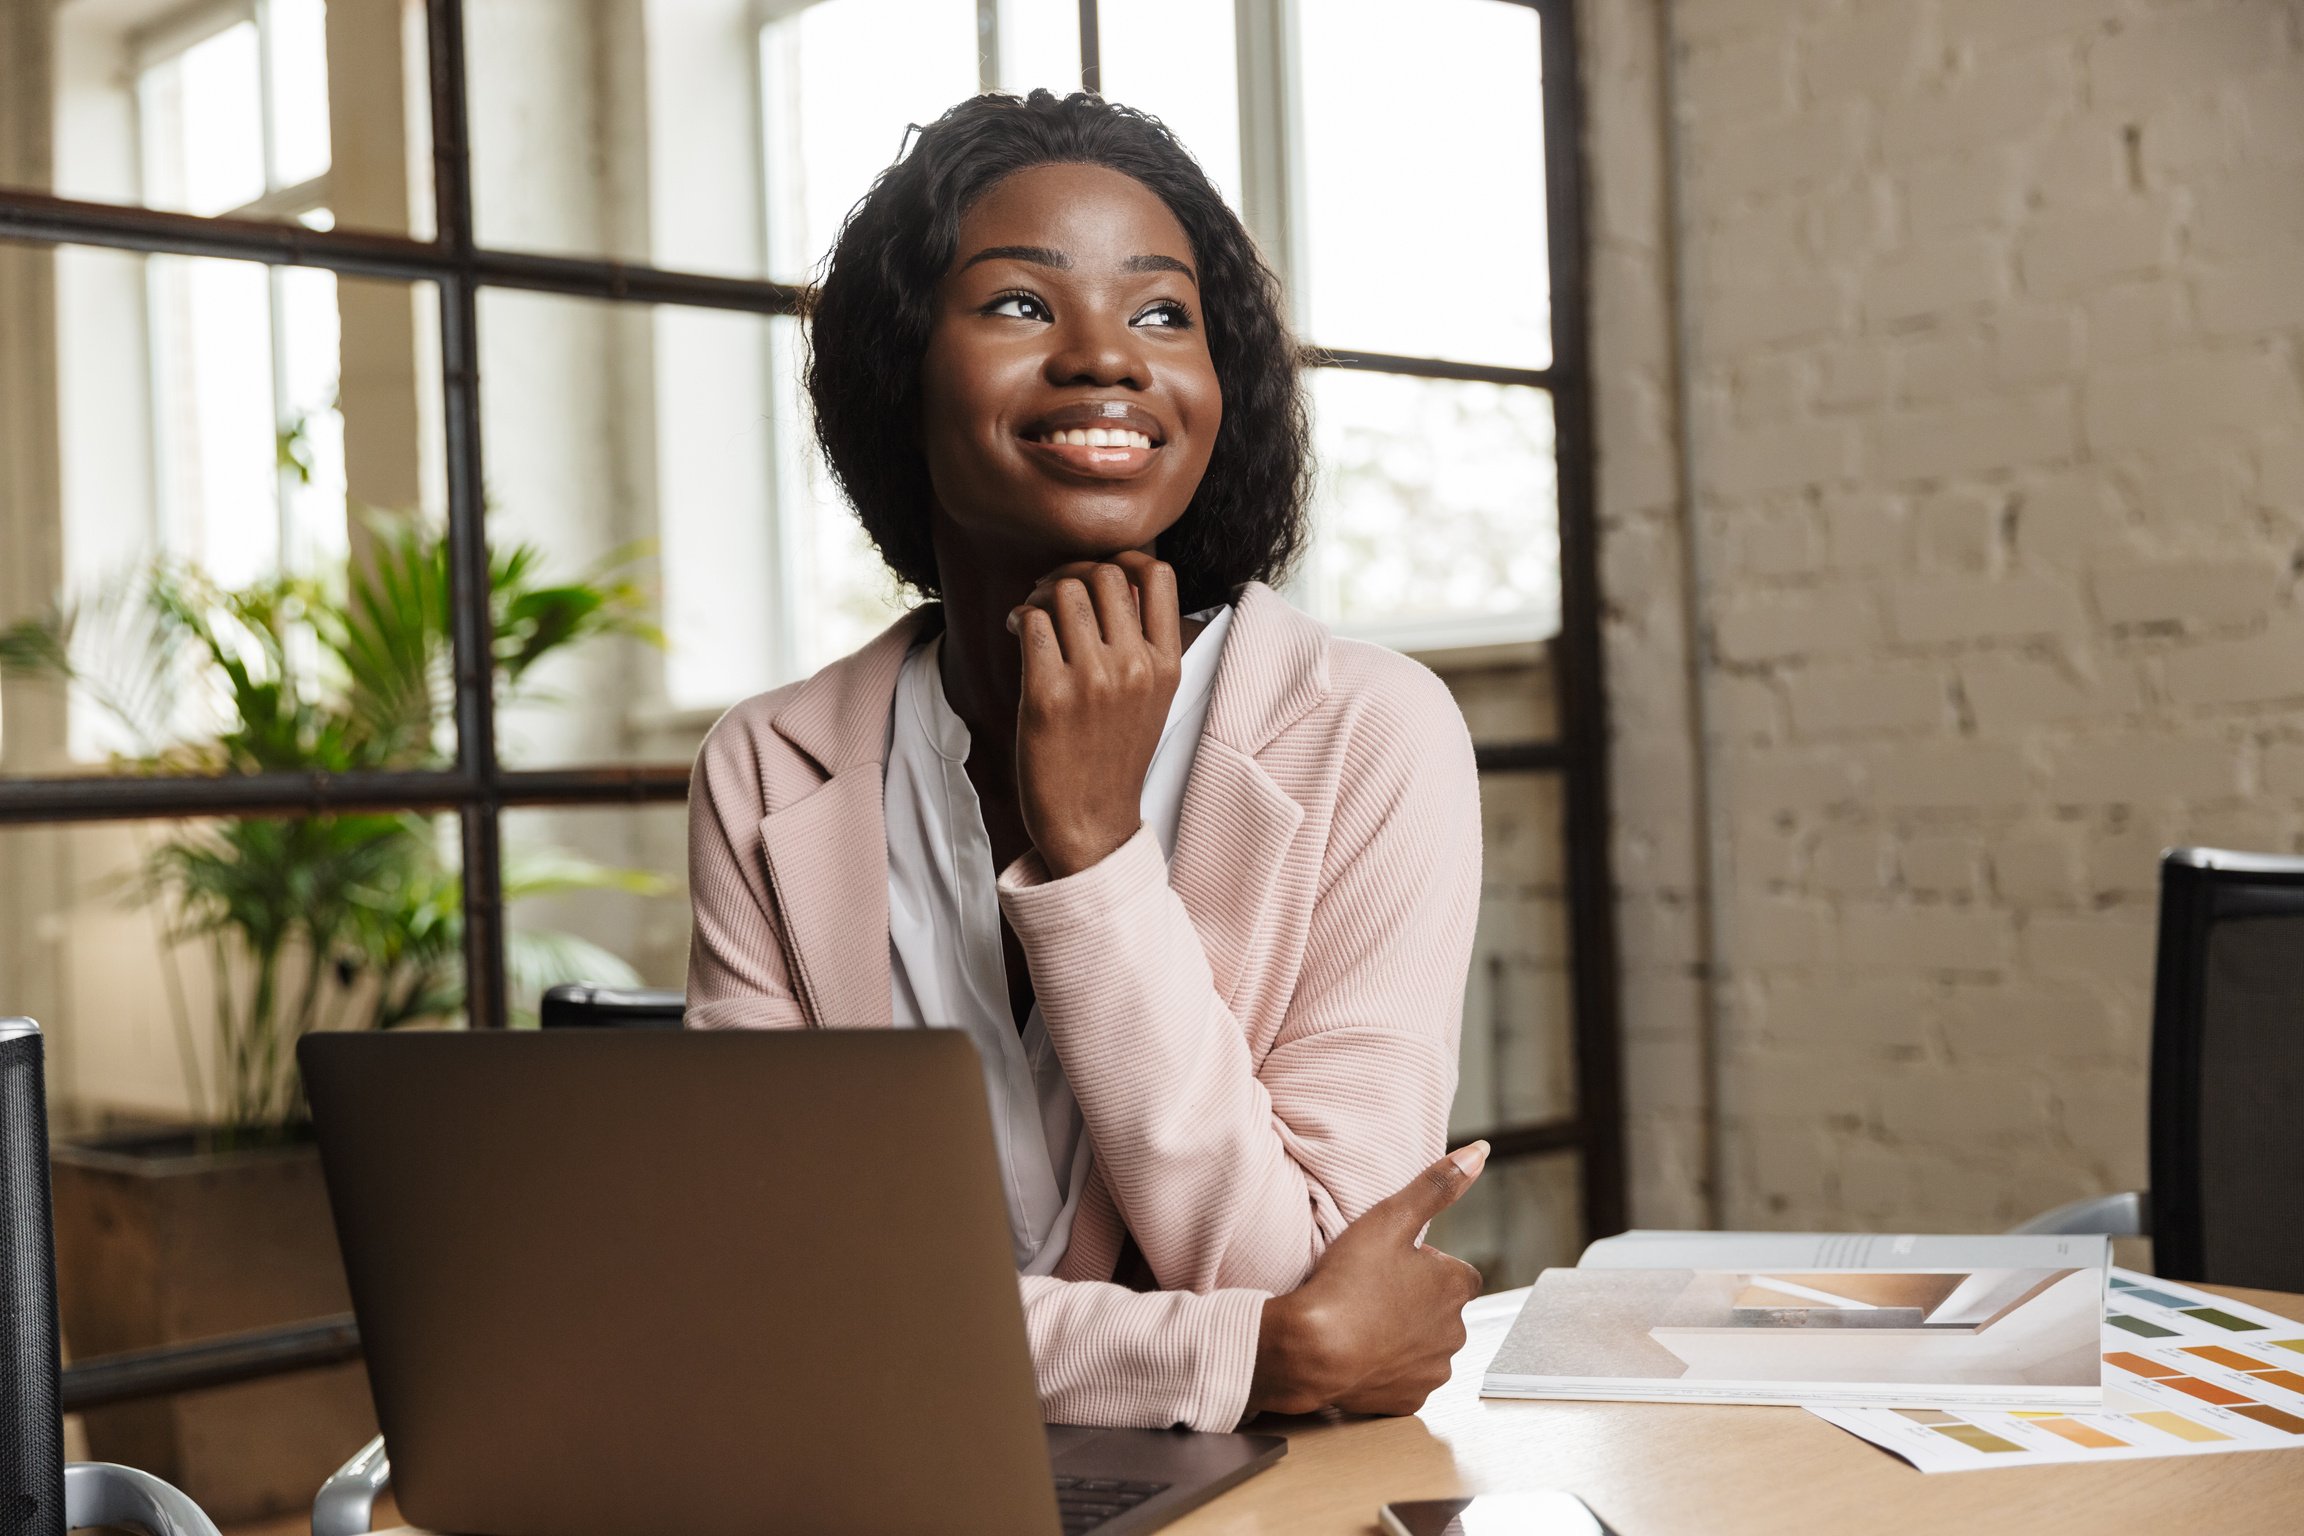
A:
1550, 1513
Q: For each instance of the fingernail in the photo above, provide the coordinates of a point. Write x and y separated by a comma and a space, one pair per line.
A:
1013, 614
1470, 1160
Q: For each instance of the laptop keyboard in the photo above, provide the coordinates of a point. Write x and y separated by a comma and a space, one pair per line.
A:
1087, 1502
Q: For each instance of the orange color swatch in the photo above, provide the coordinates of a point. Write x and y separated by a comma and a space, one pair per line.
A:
2137, 1365
2206, 1391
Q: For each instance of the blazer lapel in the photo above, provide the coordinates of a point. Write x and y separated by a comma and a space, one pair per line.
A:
828, 867
827, 852
1235, 826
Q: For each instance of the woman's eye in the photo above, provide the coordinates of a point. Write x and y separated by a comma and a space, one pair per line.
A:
1167, 312
1018, 306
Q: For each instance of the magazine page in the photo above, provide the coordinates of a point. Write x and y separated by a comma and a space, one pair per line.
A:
1914, 1335
2185, 1374
1846, 1250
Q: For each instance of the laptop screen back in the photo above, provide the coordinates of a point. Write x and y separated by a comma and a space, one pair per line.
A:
613, 1284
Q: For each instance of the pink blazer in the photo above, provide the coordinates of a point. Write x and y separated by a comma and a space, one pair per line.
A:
1261, 1034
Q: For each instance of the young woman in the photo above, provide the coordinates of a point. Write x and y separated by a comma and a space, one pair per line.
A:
1198, 878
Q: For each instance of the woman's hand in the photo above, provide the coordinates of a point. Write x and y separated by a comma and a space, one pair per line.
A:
1101, 649
1374, 1329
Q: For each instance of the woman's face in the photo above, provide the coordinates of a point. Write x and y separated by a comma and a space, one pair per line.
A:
1068, 401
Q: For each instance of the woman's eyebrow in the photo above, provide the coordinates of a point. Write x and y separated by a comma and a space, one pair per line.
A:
1038, 255
1161, 264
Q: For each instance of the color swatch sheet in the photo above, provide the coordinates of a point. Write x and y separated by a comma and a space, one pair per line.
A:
2185, 1374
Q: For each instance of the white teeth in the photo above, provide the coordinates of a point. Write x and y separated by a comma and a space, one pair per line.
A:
1099, 437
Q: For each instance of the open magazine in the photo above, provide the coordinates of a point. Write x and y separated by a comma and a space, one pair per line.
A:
1816, 1318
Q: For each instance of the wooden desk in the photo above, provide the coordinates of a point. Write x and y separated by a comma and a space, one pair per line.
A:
1655, 1468
1659, 1469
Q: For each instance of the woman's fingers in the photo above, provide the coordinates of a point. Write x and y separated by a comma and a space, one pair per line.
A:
1132, 595
1036, 633
1155, 584
1077, 628
1115, 598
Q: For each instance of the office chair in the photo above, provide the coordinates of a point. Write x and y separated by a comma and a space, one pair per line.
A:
2227, 1078
39, 1494
575, 1005
347, 1501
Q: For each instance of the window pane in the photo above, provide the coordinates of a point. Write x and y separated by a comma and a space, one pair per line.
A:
666, 450
1437, 516
217, 420
187, 460
299, 71
721, 136
163, 107
204, 125
1039, 46
594, 896
838, 104
1424, 230
1178, 60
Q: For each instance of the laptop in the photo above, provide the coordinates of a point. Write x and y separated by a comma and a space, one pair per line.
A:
618, 1284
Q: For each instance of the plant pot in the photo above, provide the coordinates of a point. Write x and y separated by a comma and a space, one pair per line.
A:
163, 1240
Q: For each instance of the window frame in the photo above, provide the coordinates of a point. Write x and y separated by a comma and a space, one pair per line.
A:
478, 789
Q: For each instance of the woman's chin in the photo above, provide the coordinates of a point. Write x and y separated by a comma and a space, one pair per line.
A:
1083, 527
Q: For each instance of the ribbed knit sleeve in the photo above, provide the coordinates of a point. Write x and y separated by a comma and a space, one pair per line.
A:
1109, 1356
1235, 1162
736, 972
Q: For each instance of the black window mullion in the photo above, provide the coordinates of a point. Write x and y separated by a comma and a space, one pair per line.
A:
1091, 49
472, 626
1434, 368
1594, 979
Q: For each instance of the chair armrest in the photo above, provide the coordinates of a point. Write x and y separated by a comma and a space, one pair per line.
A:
99, 1493
2127, 1214
346, 1504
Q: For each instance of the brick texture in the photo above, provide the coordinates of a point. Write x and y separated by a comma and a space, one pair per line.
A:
1996, 335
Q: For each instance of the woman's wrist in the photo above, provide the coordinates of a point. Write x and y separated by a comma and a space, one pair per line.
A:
1291, 1374
1064, 857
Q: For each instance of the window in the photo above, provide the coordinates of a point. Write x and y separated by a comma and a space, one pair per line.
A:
506, 298
1387, 226
232, 109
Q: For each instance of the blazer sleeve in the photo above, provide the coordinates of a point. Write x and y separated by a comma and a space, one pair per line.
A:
1233, 1170
736, 970
1116, 1358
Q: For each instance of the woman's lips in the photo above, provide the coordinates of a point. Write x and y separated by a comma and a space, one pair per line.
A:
1101, 462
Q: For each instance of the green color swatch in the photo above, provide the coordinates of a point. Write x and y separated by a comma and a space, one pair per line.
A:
2223, 1319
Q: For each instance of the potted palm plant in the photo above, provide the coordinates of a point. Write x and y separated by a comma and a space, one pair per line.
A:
285, 925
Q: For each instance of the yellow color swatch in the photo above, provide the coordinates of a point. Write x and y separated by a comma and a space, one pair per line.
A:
2179, 1426
2082, 1434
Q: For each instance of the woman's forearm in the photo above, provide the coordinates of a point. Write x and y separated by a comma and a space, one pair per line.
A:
1228, 1170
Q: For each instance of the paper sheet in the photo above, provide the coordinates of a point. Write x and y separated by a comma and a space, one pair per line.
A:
2185, 1374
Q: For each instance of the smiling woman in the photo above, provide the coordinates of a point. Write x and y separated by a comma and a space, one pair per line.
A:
1198, 878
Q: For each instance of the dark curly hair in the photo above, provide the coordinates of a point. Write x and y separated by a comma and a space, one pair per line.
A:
871, 315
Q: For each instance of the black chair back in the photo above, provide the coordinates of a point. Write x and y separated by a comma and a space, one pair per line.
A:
574, 1005
31, 1428
2228, 1070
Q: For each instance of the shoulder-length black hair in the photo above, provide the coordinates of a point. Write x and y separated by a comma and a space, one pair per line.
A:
871, 316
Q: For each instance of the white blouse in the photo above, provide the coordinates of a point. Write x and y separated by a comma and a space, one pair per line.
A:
944, 929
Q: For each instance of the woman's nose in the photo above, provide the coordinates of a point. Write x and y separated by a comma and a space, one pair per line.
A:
1099, 353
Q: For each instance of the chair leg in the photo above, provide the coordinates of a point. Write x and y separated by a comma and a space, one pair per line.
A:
346, 1505
99, 1493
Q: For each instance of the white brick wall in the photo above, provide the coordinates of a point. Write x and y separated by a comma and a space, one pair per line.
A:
1997, 362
